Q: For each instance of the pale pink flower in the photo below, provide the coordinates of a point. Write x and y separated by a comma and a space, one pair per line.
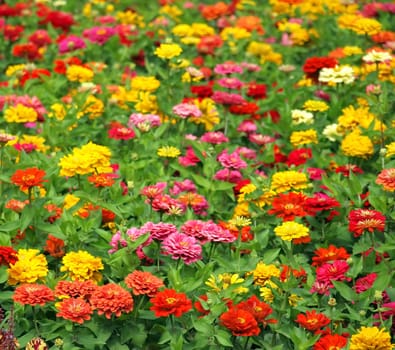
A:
143, 122
322, 288
247, 126
245, 152
260, 139
185, 110
214, 137
181, 246
183, 186
251, 67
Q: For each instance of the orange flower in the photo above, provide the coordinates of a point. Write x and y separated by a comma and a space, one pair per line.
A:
240, 322
102, 180
54, 246
169, 302
312, 320
250, 23
215, 11
331, 342
75, 289
387, 179
142, 282
75, 309
330, 254
111, 299
288, 206
28, 178
33, 294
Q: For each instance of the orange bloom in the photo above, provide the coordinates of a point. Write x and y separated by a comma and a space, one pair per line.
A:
54, 246
250, 23
28, 178
240, 322
330, 254
111, 299
75, 289
169, 302
387, 179
331, 342
312, 320
75, 309
288, 206
142, 282
102, 180
33, 294
210, 12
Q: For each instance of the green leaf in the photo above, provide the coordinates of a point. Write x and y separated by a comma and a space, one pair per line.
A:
270, 254
345, 291
223, 338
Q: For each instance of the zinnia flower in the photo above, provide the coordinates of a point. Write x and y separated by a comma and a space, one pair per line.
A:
335, 271
288, 180
169, 302
168, 51
386, 178
288, 206
75, 309
111, 299
357, 145
36, 344
184, 247
240, 322
362, 220
330, 254
28, 178
291, 230
168, 152
369, 338
7, 256
330, 342
82, 266
143, 283
312, 320
33, 294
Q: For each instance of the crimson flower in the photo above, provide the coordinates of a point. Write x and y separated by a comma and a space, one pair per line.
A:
169, 302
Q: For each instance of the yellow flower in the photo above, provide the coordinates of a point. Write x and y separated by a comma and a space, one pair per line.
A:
79, 74
263, 273
147, 103
357, 145
172, 11
293, 300
390, 150
210, 115
37, 141
371, 338
240, 221
290, 230
90, 158
267, 294
288, 180
353, 117
306, 137
168, 152
70, 200
20, 114
202, 29
168, 51
231, 33
259, 49
82, 266
366, 26
93, 107
130, 17
224, 281
58, 111
30, 267
145, 83
352, 50
315, 106
11, 70
241, 209
182, 30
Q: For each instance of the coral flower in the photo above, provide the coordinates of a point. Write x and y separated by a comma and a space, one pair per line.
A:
33, 294
387, 179
169, 302
259, 309
28, 178
75, 309
330, 254
362, 220
75, 289
143, 283
288, 206
54, 246
371, 338
240, 322
111, 299
312, 320
331, 342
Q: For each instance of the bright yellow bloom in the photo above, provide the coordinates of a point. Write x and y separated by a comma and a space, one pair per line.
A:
145, 83
37, 141
70, 200
130, 17
263, 273
11, 70
182, 30
172, 11
58, 111
288, 180
168, 51
241, 209
259, 49
210, 115
366, 26
290, 230
357, 145
147, 103
168, 152
224, 281
353, 117
79, 73
390, 150
20, 114
315, 106
202, 29
30, 267
299, 138
232, 33
121, 96
267, 294
240, 221
352, 50
90, 158
93, 108
369, 338
82, 266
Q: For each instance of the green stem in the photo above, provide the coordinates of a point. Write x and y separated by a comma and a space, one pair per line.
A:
35, 322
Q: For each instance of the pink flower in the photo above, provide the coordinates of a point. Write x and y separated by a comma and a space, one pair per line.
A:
335, 271
251, 67
190, 158
232, 176
99, 35
364, 283
143, 122
120, 132
185, 110
230, 83
154, 190
260, 139
228, 68
159, 231
168, 205
231, 160
214, 137
247, 126
227, 98
322, 288
195, 228
184, 186
216, 233
316, 173
247, 153
71, 43
181, 246
117, 242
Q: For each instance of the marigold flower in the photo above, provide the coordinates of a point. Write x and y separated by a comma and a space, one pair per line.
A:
371, 338
82, 266
386, 178
111, 299
20, 114
299, 138
312, 320
30, 267
168, 152
75, 309
169, 302
357, 145
240, 322
288, 180
291, 230
33, 294
168, 51
143, 283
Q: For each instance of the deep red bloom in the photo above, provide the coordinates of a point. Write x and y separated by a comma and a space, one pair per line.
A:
118, 131
244, 108
38, 73
54, 246
365, 220
312, 320
40, 38
29, 51
12, 33
332, 253
288, 206
58, 19
299, 156
364, 283
347, 169
330, 342
202, 90
240, 322
320, 202
257, 91
7, 256
313, 65
28, 178
169, 302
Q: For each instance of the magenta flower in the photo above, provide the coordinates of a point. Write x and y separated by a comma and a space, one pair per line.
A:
247, 126
185, 110
214, 137
159, 231
71, 43
227, 98
216, 233
364, 283
190, 158
184, 247
227, 68
117, 242
231, 160
335, 271
99, 35
183, 186
228, 175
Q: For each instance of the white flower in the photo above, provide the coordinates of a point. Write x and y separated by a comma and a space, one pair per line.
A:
301, 117
331, 132
337, 75
377, 57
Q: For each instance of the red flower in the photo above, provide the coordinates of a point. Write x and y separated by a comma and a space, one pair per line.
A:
54, 246
345, 170
259, 309
12, 33
257, 91
143, 283
287, 272
312, 321
244, 108
34, 74
362, 220
288, 206
199, 307
120, 132
33, 294
332, 253
240, 322
320, 202
364, 283
169, 302
299, 156
313, 65
111, 299
7, 256
75, 309
28, 50
28, 178
330, 342
58, 19
54, 211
